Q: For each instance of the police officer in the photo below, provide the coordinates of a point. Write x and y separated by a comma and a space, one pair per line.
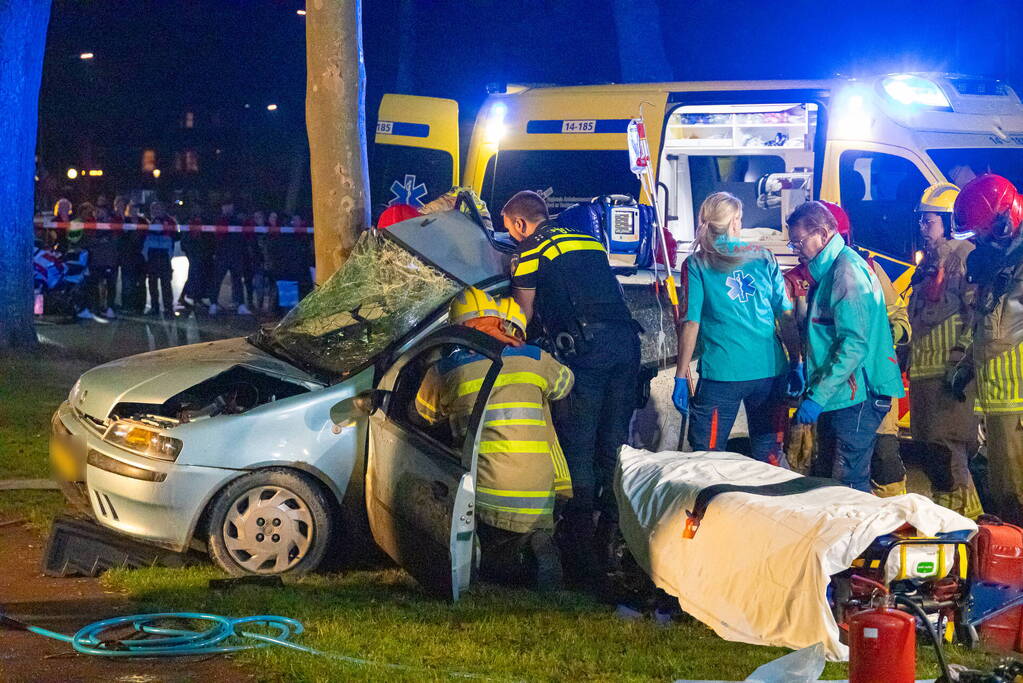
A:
521, 468
989, 209
563, 277
939, 311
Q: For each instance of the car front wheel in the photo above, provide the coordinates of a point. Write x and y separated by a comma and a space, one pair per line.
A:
272, 521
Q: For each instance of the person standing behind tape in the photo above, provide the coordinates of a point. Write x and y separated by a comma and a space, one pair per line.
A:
852, 372
735, 297
521, 468
564, 277
939, 311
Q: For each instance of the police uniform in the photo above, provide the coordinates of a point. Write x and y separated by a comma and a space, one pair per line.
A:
939, 313
580, 306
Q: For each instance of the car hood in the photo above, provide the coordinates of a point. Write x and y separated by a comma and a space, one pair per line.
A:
156, 376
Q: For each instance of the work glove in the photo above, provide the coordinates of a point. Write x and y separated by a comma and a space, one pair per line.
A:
808, 412
957, 378
680, 396
796, 380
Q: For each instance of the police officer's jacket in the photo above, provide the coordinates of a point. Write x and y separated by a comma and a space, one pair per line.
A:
572, 277
521, 466
939, 309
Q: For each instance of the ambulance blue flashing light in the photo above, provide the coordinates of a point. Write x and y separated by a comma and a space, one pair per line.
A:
915, 91
853, 120
495, 123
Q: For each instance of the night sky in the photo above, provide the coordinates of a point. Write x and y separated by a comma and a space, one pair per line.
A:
157, 59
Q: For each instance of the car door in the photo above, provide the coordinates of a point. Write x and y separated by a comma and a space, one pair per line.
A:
415, 153
420, 479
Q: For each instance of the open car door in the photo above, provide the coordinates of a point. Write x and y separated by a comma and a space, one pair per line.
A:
420, 479
415, 157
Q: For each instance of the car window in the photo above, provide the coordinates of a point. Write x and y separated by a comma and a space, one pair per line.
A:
436, 392
880, 193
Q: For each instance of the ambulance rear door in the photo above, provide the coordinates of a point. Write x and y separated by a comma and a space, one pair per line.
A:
415, 156
764, 146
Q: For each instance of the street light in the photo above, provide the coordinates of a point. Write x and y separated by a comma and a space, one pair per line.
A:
300, 12
72, 173
95, 172
86, 55
156, 173
271, 107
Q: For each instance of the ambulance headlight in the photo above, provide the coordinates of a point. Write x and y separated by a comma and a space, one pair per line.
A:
915, 91
495, 129
143, 440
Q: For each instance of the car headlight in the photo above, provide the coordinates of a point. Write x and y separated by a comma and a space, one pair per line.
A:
142, 439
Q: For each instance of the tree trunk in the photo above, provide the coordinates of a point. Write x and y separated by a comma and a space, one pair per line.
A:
22, 38
335, 111
640, 41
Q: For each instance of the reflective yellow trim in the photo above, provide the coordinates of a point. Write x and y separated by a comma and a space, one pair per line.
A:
504, 379
874, 564
942, 569
902, 562
515, 447
513, 404
517, 511
570, 246
962, 560
432, 408
516, 494
515, 423
527, 267
556, 238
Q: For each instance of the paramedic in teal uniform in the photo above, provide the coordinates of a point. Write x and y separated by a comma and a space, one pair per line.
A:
736, 306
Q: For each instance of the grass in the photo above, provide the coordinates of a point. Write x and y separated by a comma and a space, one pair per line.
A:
32, 385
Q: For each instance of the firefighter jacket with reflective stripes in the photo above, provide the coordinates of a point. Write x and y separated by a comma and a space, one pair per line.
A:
939, 308
997, 352
521, 467
850, 353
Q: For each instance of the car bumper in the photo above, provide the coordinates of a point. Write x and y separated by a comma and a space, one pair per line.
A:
153, 500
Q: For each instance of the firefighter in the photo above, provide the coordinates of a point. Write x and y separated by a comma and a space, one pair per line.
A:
852, 375
521, 468
939, 308
887, 471
564, 277
989, 210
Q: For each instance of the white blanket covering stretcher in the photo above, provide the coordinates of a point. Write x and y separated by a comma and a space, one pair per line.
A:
758, 569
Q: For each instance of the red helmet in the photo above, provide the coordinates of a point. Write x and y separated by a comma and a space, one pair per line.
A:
396, 213
841, 219
989, 206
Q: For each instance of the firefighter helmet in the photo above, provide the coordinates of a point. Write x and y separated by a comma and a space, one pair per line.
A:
472, 303
938, 198
842, 222
512, 312
989, 206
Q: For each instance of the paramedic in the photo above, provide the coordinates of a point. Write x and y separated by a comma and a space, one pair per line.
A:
521, 468
564, 277
990, 208
939, 310
735, 295
852, 373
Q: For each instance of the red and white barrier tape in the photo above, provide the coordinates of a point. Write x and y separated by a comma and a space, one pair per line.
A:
186, 227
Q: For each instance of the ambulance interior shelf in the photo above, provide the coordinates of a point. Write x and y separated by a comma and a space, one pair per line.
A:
775, 126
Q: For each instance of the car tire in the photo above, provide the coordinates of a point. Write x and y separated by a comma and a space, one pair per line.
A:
273, 521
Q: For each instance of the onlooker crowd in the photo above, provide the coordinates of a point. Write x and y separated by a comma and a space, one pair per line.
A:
131, 271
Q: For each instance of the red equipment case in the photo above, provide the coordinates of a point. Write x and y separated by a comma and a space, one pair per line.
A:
999, 559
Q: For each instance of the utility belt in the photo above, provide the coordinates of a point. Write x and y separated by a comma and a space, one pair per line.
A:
567, 345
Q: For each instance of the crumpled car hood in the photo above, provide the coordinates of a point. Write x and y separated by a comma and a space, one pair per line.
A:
156, 376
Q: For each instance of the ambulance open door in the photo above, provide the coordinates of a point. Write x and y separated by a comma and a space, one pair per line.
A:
415, 156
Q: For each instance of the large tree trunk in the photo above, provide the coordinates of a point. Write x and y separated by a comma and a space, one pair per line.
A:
22, 38
335, 111
640, 41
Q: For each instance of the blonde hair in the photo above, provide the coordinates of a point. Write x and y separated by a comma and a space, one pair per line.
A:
717, 213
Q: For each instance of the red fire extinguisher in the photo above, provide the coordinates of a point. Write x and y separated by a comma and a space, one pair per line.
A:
882, 646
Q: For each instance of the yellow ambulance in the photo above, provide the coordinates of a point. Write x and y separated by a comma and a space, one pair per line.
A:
871, 145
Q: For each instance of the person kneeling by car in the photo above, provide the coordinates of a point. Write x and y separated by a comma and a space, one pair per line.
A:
521, 466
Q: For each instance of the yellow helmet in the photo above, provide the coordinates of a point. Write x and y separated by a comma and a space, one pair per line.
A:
939, 198
511, 311
471, 303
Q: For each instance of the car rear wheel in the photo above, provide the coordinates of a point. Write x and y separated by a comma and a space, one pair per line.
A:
272, 521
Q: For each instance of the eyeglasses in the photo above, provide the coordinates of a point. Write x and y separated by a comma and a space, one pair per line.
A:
924, 220
797, 244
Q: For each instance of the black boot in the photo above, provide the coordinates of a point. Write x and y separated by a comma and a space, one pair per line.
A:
547, 562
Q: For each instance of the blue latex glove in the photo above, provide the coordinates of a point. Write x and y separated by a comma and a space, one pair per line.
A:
796, 380
809, 411
680, 396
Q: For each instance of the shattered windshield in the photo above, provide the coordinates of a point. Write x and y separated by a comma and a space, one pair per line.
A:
379, 294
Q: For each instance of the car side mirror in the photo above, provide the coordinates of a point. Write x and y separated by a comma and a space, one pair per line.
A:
362, 404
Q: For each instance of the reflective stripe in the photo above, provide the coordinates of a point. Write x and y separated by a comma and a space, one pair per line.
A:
515, 494
929, 353
515, 502
426, 409
506, 446
504, 379
533, 414
999, 383
517, 511
527, 267
515, 423
555, 239
514, 404
561, 385
570, 246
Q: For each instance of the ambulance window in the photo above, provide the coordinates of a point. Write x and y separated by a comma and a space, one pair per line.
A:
880, 193
738, 175
572, 176
960, 166
408, 175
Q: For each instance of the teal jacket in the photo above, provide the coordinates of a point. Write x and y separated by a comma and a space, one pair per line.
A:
850, 353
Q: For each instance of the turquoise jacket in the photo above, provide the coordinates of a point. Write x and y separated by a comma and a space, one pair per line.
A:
850, 353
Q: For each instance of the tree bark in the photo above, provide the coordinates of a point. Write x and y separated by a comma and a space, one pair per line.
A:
336, 123
22, 39
640, 41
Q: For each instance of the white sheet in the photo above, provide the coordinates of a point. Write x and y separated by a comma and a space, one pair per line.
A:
758, 569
